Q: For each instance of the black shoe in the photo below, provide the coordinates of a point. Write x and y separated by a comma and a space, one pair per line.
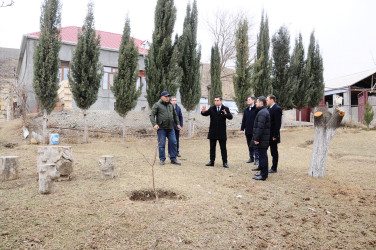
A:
259, 178
225, 165
257, 174
210, 164
250, 161
271, 171
256, 162
256, 169
176, 162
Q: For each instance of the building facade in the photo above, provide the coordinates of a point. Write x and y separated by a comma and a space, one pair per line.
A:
351, 93
109, 53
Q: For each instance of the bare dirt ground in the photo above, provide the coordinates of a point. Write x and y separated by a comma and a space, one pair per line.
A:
215, 208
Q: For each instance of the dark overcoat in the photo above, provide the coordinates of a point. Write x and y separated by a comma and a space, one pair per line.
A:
261, 129
248, 120
275, 122
217, 128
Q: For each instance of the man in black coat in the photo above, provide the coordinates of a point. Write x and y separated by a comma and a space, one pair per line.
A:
248, 120
261, 136
217, 129
275, 137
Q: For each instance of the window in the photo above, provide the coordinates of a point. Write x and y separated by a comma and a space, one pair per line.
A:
143, 80
108, 77
63, 70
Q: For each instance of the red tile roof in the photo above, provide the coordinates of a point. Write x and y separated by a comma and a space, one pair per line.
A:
108, 39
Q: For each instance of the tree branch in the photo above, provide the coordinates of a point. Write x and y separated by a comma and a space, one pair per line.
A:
7, 5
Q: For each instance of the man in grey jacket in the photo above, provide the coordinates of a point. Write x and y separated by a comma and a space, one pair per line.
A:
162, 117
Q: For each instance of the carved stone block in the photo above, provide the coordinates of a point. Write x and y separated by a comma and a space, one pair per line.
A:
107, 166
8, 168
47, 174
61, 156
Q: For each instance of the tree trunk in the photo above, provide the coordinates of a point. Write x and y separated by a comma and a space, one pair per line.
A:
8, 113
189, 124
85, 126
326, 125
44, 132
124, 129
300, 117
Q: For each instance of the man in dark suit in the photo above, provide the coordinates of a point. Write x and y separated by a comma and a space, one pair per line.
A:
217, 129
275, 138
261, 136
248, 120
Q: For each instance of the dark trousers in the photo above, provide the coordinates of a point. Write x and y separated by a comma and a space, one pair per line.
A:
253, 152
222, 144
177, 134
274, 153
263, 162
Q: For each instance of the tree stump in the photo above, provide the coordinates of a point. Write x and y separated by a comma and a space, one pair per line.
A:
61, 156
8, 168
325, 125
107, 166
47, 174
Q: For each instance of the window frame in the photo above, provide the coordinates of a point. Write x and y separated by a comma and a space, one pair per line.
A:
113, 73
63, 68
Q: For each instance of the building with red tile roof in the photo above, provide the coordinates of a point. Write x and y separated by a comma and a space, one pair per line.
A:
108, 39
109, 54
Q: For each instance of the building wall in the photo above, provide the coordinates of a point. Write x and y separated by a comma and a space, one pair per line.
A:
372, 101
108, 57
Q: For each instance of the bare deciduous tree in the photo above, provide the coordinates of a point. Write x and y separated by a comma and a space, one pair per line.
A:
6, 4
21, 94
223, 30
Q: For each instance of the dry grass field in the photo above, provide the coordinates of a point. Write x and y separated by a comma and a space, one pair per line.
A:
208, 207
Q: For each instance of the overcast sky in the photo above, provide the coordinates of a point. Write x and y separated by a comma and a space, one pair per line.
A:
344, 29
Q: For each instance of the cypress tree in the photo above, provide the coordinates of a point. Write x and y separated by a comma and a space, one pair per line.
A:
124, 89
242, 79
85, 68
215, 74
283, 89
261, 75
46, 59
161, 61
368, 114
189, 62
314, 71
298, 76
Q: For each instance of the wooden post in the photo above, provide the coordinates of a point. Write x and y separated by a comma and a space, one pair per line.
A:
8, 168
107, 166
325, 125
